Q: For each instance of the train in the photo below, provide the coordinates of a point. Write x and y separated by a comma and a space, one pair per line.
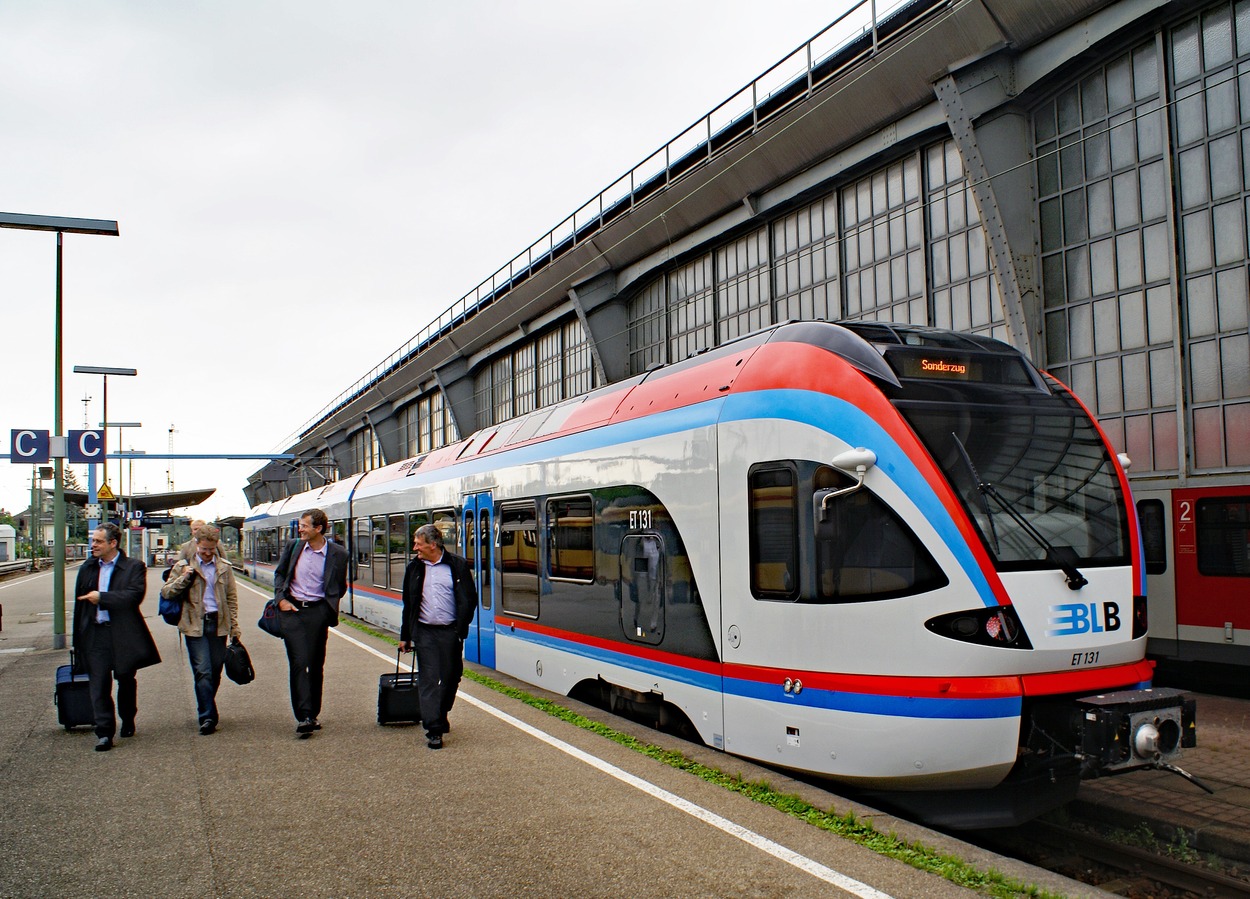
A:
1196, 539
896, 558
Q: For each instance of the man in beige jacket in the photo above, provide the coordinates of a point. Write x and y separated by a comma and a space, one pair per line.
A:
210, 612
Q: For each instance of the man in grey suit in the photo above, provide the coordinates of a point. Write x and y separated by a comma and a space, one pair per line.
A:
308, 583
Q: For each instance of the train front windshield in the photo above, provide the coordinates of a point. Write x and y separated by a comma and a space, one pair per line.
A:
1027, 462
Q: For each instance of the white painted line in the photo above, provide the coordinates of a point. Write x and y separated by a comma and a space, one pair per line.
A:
25, 580
22, 649
789, 856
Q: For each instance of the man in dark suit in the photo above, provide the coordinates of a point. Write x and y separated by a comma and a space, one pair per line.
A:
111, 638
439, 601
308, 583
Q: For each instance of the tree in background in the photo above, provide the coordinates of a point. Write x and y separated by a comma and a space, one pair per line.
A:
75, 516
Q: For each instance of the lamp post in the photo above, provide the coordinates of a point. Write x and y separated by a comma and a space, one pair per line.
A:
61, 226
104, 370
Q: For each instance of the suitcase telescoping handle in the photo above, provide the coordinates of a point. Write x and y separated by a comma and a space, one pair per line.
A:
399, 652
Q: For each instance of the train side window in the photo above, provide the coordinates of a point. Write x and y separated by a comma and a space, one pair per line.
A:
445, 521
484, 593
643, 582
379, 551
571, 538
518, 559
864, 550
416, 520
1150, 515
338, 532
1223, 526
773, 524
398, 549
267, 546
362, 547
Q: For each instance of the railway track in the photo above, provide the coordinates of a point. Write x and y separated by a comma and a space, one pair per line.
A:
1113, 865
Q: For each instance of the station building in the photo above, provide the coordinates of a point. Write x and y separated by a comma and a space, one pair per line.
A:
1069, 176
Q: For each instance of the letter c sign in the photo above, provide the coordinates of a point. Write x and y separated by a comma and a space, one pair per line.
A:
86, 447
29, 447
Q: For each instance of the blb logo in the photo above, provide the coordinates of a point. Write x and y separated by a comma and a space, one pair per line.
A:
1075, 618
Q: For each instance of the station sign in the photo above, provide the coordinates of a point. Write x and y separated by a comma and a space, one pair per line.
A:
85, 447
29, 447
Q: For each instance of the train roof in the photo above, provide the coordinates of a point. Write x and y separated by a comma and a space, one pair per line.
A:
865, 346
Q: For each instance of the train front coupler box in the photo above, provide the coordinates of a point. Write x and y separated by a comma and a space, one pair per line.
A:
1131, 729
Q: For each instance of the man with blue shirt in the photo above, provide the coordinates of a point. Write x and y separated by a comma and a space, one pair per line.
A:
439, 601
111, 639
309, 581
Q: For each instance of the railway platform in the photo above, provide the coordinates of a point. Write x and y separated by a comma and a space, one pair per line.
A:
517, 803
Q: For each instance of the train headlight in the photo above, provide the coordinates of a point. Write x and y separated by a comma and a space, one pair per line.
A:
996, 626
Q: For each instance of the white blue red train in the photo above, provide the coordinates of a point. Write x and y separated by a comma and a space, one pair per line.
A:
899, 558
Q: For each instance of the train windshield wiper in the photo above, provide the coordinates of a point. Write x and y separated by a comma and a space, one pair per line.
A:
1064, 557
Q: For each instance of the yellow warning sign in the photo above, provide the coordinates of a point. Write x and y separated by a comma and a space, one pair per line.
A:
104, 493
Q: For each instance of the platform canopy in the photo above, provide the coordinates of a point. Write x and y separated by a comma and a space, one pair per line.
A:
150, 502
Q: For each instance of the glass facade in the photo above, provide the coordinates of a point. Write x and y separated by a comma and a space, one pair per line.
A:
692, 318
742, 300
366, 452
883, 246
806, 262
1143, 173
965, 294
1106, 250
1209, 61
554, 366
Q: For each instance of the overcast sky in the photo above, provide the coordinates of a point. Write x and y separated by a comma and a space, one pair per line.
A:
302, 186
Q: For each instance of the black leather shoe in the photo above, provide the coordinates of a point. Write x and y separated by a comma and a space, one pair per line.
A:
434, 742
128, 730
207, 727
307, 726
104, 744
316, 724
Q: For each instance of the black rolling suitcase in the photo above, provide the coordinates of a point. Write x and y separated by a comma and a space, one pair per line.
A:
72, 697
397, 695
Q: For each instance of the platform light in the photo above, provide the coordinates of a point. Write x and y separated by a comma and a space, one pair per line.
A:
61, 226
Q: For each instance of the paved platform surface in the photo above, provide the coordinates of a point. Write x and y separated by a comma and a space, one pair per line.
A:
517, 804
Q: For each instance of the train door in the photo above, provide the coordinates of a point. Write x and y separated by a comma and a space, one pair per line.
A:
477, 520
1211, 527
1155, 522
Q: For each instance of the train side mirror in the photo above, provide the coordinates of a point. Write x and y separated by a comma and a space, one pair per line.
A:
854, 462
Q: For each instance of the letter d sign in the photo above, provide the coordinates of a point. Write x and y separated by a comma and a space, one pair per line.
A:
86, 447
29, 447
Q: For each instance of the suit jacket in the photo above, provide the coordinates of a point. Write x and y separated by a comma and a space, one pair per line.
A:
133, 646
334, 573
462, 584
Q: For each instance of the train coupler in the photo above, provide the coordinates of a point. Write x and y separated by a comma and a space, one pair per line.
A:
1133, 729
